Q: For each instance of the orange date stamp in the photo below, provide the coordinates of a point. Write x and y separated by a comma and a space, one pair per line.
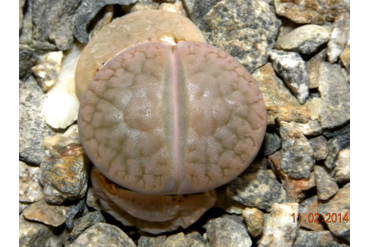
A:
315, 218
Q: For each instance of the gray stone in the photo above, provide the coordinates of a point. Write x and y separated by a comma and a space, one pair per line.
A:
341, 133
341, 171
21, 6
297, 154
224, 231
270, 144
53, 215
316, 238
340, 141
311, 11
30, 189
280, 103
336, 213
245, 29
280, 230
151, 241
86, 11
325, 184
254, 219
309, 215
73, 212
339, 36
304, 39
182, 240
33, 233
291, 67
296, 188
27, 59
32, 128
64, 172
26, 31
320, 147
103, 234
257, 187
53, 21
335, 96
81, 224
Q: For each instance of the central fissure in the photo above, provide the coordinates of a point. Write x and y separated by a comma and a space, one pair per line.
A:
176, 115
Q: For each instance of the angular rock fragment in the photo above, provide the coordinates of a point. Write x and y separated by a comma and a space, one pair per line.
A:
32, 128
247, 32
227, 232
335, 97
280, 229
304, 39
280, 103
297, 154
87, 11
257, 187
325, 184
103, 234
30, 189
339, 36
54, 215
291, 67
64, 172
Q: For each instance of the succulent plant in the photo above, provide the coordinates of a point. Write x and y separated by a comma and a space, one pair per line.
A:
165, 123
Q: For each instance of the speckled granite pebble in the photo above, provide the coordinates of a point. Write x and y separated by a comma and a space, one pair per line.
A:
280, 230
335, 97
291, 67
30, 189
257, 187
297, 154
103, 234
305, 39
320, 147
339, 36
341, 170
244, 29
27, 59
325, 184
183, 240
236, 234
311, 11
64, 172
32, 128
296, 188
52, 21
340, 141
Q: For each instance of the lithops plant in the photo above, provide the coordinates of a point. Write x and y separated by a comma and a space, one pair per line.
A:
165, 123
